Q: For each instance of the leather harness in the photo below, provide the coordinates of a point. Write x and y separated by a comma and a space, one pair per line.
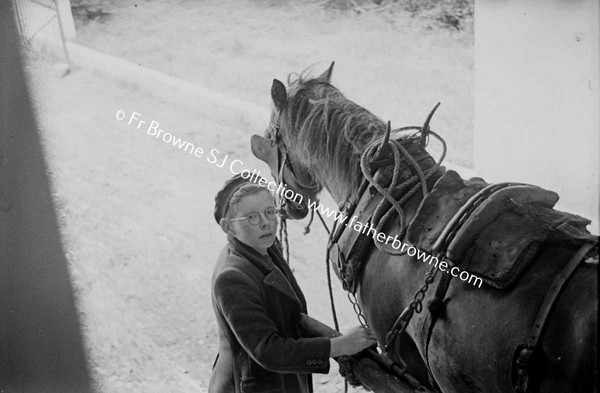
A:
450, 244
524, 352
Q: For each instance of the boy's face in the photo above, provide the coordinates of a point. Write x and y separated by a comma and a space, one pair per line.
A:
262, 235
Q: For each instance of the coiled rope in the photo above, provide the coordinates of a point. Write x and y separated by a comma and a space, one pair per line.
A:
389, 205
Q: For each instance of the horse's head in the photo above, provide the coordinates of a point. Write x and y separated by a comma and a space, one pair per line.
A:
278, 148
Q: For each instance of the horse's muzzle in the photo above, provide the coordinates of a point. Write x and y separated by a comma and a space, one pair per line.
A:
296, 211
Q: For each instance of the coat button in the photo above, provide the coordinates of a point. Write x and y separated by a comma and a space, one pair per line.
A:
320, 361
309, 362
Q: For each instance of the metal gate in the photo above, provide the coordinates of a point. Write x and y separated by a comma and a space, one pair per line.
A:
40, 27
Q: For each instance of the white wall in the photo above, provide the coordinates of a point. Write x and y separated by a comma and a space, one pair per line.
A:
537, 100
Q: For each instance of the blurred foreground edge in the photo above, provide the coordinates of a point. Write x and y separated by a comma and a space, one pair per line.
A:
41, 347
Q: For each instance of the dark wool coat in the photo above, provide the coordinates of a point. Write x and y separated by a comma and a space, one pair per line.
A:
258, 305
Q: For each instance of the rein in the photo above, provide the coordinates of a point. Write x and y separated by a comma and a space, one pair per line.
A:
282, 161
280, 200
389, 169
372, 159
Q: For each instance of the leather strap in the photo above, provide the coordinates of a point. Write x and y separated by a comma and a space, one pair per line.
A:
436, 307
441, 244
553, 292
524, 352
493, 206
348, 247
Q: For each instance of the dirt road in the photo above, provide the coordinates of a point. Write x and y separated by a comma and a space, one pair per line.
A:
136, 212
136, 217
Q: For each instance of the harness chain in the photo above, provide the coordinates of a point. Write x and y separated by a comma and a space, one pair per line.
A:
357, 309
383, 213
436, 305
440, 253
416, 306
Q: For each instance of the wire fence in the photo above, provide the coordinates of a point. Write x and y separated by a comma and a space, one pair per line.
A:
40, 27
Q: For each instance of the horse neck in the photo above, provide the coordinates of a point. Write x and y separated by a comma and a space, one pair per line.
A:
332, 136
336, 178
340, 181
339, 190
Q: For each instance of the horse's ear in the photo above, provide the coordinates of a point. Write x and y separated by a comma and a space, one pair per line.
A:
326, 76
262, 148
279, 95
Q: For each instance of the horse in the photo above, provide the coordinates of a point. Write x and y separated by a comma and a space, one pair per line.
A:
535, 334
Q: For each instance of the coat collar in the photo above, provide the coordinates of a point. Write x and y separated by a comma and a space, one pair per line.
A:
277, 273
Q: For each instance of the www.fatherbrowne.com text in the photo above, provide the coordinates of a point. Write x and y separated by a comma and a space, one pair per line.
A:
235, 166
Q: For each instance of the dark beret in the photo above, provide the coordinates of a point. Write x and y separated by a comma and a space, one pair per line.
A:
224, 196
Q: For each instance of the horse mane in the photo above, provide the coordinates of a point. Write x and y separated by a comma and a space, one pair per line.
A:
328, 127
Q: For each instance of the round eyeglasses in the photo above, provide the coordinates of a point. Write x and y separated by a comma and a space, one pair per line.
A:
254, 217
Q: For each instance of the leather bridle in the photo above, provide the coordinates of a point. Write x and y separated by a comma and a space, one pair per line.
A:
284, 164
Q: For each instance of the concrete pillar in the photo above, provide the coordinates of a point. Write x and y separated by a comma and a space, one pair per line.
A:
537, 100
66, 19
